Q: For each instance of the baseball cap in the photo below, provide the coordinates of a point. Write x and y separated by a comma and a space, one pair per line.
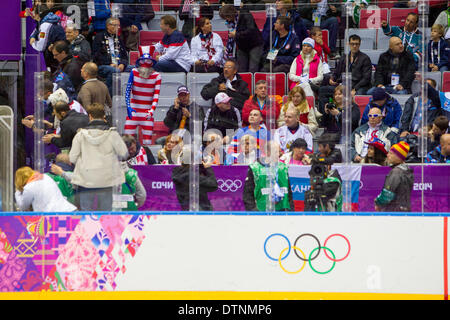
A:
377, 143
182, 89
221, 97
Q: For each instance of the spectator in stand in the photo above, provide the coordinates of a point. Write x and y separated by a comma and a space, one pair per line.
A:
109, 52
268, 106
411, 119
78, 45
172, 52
213, 147
367, 131
132, 189
297, 154
82, 21
96, 153
248, 151
179, 116
409, 34
222, 116
319, 12
244, 33
357, 6
395, 69
93, 90
256, 192
187, 13
171, 153
254, 129
444, 20
441, 154
231, 83
70, 122
206, 179
321, 48
332, 117
438, 50
137, 155
48, 32
206, 48
391, 109
285, 8
297, 99
359, 65
327, 150
440, 126
68, 74
292, 130
134, 12
376, 152
38, 192
307, 69
283, 49
102, 14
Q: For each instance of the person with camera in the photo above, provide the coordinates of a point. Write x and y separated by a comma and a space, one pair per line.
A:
333, 111
326, 183
257, 193
396, 192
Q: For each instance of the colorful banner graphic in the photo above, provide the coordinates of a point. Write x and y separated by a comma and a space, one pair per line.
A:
431, 193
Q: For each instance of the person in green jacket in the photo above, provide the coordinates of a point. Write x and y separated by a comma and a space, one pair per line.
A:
257, 192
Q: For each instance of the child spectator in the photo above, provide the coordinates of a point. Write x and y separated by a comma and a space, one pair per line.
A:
438, 50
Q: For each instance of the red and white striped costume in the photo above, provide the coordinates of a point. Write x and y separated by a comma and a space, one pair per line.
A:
144, 99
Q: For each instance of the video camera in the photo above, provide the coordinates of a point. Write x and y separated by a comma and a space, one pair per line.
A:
316, 198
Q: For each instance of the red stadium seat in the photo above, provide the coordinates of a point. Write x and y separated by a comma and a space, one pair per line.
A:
134, 55
159, 130
371, 19
248, 77
280, 82
223, 35
156, 4
310, 100
147, 38
397, 16
362, 102
446, 81
260, 18
171, 4
387, 4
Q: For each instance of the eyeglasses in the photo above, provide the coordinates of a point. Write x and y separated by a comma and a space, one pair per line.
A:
374, 115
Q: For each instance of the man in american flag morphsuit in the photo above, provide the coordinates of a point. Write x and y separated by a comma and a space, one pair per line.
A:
142, 95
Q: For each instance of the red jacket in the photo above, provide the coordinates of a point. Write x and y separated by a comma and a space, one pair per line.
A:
250, 105
322, 51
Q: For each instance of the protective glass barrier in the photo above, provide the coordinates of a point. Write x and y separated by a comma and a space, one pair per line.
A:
284, 69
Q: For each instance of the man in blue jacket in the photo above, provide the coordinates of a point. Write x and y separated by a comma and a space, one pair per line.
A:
283, 49
390, 108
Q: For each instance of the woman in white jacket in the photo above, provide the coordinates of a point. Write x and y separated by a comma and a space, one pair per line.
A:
206, 48
38, 192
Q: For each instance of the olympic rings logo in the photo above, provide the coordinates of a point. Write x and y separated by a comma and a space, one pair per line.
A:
229, 185
302, 256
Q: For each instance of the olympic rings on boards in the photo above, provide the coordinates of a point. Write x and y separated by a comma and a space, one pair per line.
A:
312, 255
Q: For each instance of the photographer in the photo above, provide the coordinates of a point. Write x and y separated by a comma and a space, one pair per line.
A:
326, 183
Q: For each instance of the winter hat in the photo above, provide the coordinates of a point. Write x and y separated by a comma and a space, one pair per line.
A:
377, 143
309, 41
145, 56
58, 95
400, 149
379, 94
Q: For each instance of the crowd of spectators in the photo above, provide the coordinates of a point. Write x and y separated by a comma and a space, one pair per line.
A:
82, 56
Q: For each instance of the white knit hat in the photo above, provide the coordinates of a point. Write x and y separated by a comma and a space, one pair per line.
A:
309, 41
58, 95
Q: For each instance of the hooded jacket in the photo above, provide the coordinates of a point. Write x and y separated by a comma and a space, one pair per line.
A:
392, 111
96, 152
49, 32
81, 48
